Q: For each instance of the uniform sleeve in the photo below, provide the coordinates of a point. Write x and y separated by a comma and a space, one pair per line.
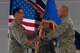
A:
21, 37
58, 31
33, 34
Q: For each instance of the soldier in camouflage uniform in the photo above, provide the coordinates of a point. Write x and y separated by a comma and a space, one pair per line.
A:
18, 36
65, 31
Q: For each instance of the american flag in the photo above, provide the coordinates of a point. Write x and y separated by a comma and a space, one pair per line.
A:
30, 11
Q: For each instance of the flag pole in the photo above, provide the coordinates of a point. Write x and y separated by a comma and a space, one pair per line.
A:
36, 6
30, 2
37, 44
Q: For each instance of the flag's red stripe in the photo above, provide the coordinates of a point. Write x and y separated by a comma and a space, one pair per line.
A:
38, 8
10, 20
25, 23
28, 24
30, 40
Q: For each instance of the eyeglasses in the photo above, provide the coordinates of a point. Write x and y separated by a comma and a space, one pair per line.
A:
21, 12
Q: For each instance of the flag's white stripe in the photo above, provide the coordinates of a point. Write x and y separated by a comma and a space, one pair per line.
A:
41, 7
29, 20
11, 16
26, 20
29, 28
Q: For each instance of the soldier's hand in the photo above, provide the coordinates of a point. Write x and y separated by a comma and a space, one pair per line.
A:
34, 47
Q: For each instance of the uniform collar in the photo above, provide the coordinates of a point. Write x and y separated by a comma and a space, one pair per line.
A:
65, 18
16, 22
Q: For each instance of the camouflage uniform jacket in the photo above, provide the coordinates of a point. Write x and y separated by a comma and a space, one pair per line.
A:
66, 35
18, 38
46, 45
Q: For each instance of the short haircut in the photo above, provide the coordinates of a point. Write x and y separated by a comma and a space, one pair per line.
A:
16, 10
64, 6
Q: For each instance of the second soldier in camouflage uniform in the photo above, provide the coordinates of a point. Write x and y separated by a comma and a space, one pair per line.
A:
65, 31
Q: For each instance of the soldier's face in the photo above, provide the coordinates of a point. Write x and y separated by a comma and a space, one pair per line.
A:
20, 14
60, 12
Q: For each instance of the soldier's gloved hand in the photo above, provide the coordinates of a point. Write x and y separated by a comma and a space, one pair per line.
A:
34, 47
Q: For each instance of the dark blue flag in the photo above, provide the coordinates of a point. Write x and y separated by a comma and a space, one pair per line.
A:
51, 14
